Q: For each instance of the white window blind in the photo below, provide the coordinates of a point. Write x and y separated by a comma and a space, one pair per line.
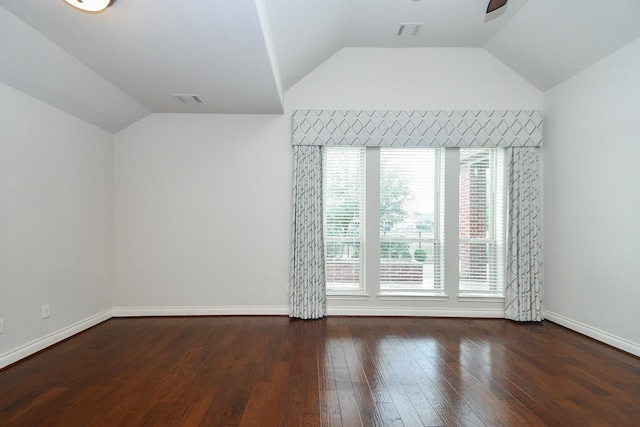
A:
481, 220
411, 220
343, 192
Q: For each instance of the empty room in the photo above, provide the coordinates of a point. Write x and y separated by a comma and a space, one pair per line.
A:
319, 213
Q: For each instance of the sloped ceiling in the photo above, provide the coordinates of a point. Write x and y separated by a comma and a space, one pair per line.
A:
239, 56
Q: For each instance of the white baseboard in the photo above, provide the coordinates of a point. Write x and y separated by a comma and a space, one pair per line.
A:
284, 311
35, 346
416, 311
28, 349
597, 334
198, 311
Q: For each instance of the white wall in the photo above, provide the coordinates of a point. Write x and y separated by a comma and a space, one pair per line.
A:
592, 200
203, 202
203, 213
413, 79
56, 211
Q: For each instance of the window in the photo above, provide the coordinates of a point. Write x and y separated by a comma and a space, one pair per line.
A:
410, 220
343, 193
398, 238
481, 221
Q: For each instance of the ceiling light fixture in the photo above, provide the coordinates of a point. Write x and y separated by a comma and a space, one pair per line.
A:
92, 6
495, 5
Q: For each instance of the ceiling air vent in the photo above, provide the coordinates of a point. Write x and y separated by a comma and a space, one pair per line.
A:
409, 29
187, 98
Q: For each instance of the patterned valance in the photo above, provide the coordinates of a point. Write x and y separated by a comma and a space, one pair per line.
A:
418, 128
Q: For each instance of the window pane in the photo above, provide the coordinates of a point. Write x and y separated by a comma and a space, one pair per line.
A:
343, 189
410, 226
481, 220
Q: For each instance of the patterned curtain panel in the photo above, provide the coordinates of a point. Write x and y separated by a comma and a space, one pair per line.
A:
307, 299
523, 288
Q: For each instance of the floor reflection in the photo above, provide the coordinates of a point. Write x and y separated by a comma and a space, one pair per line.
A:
411, 374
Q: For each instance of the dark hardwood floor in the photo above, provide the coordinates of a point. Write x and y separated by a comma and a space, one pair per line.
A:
339, 371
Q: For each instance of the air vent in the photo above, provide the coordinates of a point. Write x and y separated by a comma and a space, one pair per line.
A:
187, 98
409, 29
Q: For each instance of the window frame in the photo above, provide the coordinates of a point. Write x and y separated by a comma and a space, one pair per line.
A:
437, 240
497, 227
360, 289
449, 166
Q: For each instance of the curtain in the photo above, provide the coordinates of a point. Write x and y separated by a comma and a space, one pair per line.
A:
520, 132
307, 299
523, 287
417, 128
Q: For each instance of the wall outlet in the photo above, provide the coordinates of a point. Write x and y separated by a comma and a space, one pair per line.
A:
1, 326
46, 312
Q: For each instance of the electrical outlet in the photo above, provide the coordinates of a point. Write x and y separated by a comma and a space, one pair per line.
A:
46, 312
1, 326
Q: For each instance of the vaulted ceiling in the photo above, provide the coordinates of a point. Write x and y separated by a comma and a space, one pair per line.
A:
240, 56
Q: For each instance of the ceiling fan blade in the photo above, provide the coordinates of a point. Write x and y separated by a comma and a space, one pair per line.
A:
495, 4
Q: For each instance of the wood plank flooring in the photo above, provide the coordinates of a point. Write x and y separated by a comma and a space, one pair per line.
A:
338, 371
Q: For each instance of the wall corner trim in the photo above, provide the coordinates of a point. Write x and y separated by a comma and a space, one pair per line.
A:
26, 350
597, 334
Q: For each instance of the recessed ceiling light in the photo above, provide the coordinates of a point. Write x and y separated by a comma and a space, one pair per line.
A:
92, 6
